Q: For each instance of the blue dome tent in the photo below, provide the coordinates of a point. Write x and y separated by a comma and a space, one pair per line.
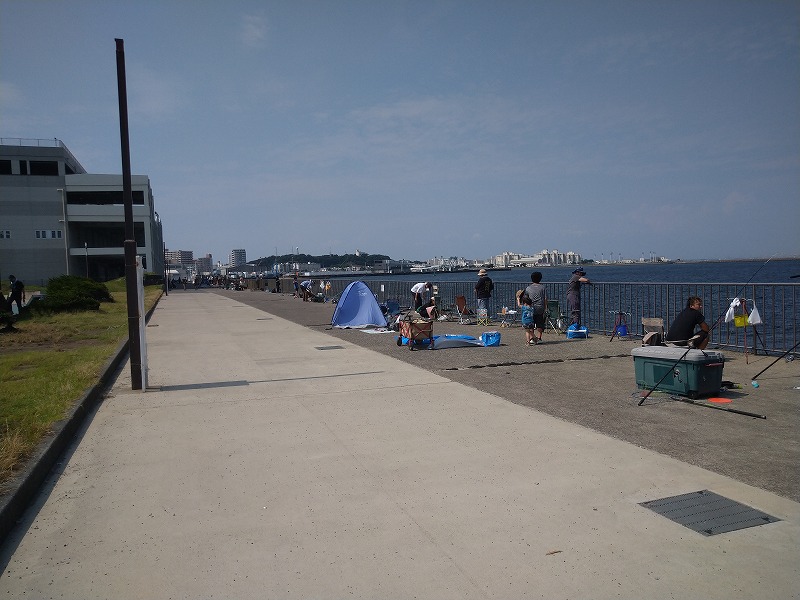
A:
357, 307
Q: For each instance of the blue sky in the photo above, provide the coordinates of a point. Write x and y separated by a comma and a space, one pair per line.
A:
430, 128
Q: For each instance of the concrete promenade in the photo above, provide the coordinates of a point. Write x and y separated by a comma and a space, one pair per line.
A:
274, 458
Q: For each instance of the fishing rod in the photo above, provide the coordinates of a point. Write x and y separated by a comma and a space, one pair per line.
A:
719, 319
726, 409
754, 382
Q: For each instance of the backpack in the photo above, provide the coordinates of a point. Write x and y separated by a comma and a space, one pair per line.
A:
527, 315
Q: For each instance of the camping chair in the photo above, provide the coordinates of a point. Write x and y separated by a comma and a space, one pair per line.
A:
392, 308
554, 318
464, 313
653, 333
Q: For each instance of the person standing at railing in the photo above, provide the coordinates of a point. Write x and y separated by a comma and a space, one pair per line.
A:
538, 296
483, 290
574, 294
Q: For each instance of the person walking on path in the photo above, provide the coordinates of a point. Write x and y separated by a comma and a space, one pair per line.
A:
418, 291
483, 290
538, 297
574, 294
17, 293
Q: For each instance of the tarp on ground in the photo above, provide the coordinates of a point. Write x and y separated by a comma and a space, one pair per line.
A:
442, 342
357, 307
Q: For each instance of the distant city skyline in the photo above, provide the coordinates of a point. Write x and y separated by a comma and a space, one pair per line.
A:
502, 259
424, 129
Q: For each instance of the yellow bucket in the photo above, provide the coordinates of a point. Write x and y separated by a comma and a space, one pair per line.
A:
740, 321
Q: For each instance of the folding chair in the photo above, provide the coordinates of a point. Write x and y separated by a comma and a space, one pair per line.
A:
392, 308
554, 318
464, 313
652, 328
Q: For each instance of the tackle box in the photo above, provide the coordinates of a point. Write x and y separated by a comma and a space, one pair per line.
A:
698, 373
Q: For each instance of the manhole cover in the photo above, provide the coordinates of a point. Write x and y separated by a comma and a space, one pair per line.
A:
329, 347
708, 513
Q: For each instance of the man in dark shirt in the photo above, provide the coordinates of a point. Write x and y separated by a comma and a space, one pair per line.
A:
483, 290
682, 328
17, 293
574, 294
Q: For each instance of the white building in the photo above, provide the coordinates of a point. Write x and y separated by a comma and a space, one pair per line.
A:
237, 257
56, 219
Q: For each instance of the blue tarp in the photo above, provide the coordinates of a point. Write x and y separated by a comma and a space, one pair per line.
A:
440, 342
357, 307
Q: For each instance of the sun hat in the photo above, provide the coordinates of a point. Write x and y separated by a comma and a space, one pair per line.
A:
482, 272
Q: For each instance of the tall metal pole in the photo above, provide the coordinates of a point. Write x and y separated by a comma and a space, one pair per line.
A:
131, 286
66, 226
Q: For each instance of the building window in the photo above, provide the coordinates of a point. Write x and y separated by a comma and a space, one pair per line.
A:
5, 167
23, 167
5, 234
44, 167
103, 197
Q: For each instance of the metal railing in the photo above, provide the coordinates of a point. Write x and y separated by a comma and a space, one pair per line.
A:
777, 304
39, 142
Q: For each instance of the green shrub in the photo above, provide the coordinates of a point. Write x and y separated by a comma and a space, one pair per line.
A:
71, 293
78, 286
153, 279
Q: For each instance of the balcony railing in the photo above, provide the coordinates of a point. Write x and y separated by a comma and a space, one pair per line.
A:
777, 304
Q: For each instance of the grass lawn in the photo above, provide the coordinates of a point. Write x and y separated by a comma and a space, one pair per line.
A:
48, 364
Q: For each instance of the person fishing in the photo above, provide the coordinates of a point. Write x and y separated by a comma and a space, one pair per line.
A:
574, 294
682, 330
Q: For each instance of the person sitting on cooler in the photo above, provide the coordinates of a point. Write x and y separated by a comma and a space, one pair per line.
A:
682, 332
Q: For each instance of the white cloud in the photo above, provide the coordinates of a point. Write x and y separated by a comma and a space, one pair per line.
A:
253, 33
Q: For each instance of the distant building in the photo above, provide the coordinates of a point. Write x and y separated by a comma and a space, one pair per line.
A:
179, 257
56, 219
544, 258
237, 257
204, 264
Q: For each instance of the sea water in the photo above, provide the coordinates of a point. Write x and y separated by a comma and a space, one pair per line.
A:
761, 271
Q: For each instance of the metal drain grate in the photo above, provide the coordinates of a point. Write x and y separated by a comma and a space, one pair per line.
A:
708, 513
329, 347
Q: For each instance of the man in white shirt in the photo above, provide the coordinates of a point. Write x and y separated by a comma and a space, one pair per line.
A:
418, 291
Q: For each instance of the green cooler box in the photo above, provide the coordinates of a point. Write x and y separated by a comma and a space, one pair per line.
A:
699, 373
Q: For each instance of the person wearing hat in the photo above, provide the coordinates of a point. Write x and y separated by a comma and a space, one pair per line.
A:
483, 290
574, 294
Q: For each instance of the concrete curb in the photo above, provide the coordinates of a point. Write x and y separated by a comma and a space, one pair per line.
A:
30, 480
